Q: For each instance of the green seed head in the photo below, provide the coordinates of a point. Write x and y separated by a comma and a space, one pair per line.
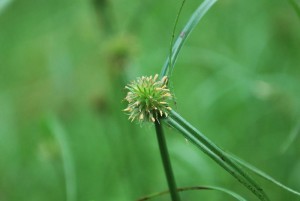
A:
148, 99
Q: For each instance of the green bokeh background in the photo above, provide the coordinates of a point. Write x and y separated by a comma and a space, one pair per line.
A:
63, 68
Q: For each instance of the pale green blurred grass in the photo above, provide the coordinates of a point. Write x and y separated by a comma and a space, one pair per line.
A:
237, 79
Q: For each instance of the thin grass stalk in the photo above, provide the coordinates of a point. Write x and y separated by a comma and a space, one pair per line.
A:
208, 143
196, 188
190, 25
262, 174
215, 153
173, 33
166, 161
219, 152
211, 154
67, 160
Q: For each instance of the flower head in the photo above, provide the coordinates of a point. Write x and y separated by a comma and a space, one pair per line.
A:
148, 99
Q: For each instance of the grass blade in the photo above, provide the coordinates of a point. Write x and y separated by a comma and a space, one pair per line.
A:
173, 32
191, 24
262, 174
194, 188
68, 163
215, 153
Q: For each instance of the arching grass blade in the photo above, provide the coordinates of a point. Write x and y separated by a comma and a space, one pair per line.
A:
191, 24
262, 174
196, 188
218, 155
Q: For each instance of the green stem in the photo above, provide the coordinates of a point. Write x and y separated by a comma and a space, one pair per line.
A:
173, 35
216, 153
166, 161
191, 24
196, 188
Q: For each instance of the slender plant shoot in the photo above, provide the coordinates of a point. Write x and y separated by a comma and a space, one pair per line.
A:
148, 101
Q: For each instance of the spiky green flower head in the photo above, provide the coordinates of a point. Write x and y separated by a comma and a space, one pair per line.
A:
148, 99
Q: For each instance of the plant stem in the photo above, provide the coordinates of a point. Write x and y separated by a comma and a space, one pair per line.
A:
190, 25
217, 154
166, 161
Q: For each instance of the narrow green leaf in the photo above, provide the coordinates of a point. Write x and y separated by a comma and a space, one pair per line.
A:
215, 153
262, 174
67, 159
194, 188
191, 24
173, 32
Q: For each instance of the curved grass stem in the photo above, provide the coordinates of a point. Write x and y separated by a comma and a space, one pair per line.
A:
196, 188
217, 154
166, 161
190, 25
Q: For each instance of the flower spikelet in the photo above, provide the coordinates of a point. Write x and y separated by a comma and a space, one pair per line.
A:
148, 99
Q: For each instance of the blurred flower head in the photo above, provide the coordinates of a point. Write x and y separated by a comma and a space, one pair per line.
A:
148, 99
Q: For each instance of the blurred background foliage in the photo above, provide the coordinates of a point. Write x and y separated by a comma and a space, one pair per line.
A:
63, 67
